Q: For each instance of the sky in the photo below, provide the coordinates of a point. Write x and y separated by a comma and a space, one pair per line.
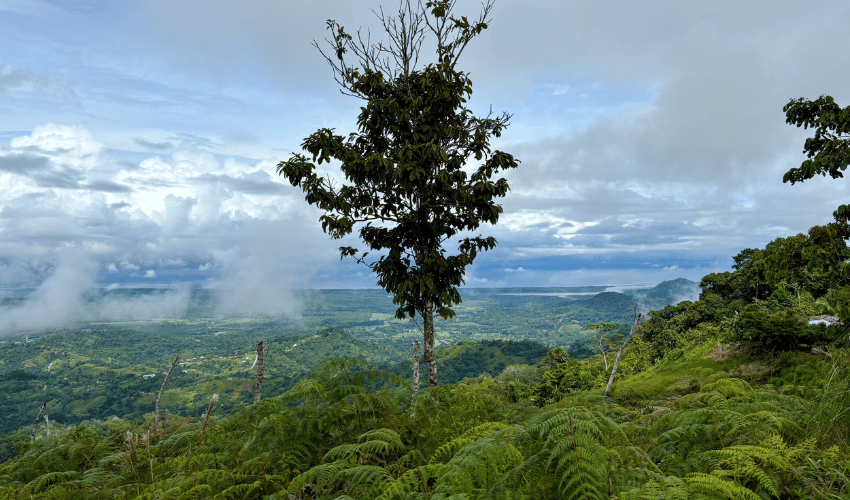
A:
139, 140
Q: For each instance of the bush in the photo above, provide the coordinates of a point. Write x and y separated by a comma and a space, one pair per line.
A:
782, 330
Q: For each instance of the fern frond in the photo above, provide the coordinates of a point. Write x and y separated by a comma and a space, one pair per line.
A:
366, 481
305, 390
526, 477
579, 445
45, 480
201, 490
666, 488
729, 387
213, 476
377, 444
478, 467
717, 487
385, 435
755, 464
414, 483
242, 490
445, 452
323, 478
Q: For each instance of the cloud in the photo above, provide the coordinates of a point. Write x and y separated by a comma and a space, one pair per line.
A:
58, 300
23, 163
210, 218
650, 135
21, 81
60, 138
257, 182
108, 187
68, 146
10, 79
269, 260
69, 295
154, 146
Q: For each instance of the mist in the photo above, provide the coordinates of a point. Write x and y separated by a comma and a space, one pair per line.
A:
251, 283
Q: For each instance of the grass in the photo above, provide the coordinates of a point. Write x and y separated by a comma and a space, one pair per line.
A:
685, 374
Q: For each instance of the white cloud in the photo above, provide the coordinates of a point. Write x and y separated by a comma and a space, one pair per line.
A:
75, 145
150, 273
651, 133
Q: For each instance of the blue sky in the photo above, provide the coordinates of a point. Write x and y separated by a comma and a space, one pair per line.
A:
138, 140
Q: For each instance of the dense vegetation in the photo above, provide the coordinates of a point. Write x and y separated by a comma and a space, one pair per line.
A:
101, 370
733, 395
736, 395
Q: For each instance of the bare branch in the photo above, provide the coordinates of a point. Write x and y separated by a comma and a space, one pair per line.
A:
157, 414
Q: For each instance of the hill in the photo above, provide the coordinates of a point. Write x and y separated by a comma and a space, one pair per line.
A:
115, 369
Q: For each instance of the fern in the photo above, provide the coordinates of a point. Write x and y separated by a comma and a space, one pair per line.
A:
242, 490
573, 444
376, 444
42, 482
715, 487
414, 483
321, 480
660, 488
445, 452
478, 467
751, 465
711, 421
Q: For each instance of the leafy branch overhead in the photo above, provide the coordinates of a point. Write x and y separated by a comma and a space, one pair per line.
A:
829, 150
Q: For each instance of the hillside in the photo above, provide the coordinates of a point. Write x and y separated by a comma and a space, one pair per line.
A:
725, 397
115, 369
714, 421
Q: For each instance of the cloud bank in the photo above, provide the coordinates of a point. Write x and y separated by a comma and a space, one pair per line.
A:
141, 138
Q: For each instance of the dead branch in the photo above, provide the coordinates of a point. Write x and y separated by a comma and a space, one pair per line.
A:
620, 352
156, 418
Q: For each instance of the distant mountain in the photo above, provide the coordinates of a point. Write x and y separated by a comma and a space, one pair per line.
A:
610, 301
665, 293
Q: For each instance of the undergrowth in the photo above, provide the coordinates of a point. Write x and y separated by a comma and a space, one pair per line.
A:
689, 428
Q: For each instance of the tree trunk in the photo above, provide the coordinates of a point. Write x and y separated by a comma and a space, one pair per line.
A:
258, 392
37, 420
415, 369
428, 333
604, 354
156, 413
620, 353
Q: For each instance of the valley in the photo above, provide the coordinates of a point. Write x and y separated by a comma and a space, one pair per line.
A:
105, 369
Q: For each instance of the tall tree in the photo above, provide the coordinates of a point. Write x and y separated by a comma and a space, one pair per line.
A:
409, 186
828, 152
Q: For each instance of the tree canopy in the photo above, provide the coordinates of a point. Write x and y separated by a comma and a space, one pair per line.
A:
829, 150
825, 250
408, 183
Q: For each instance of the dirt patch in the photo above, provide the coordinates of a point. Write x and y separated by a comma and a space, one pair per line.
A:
755, 371
685, 385
724, 352
660, 406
